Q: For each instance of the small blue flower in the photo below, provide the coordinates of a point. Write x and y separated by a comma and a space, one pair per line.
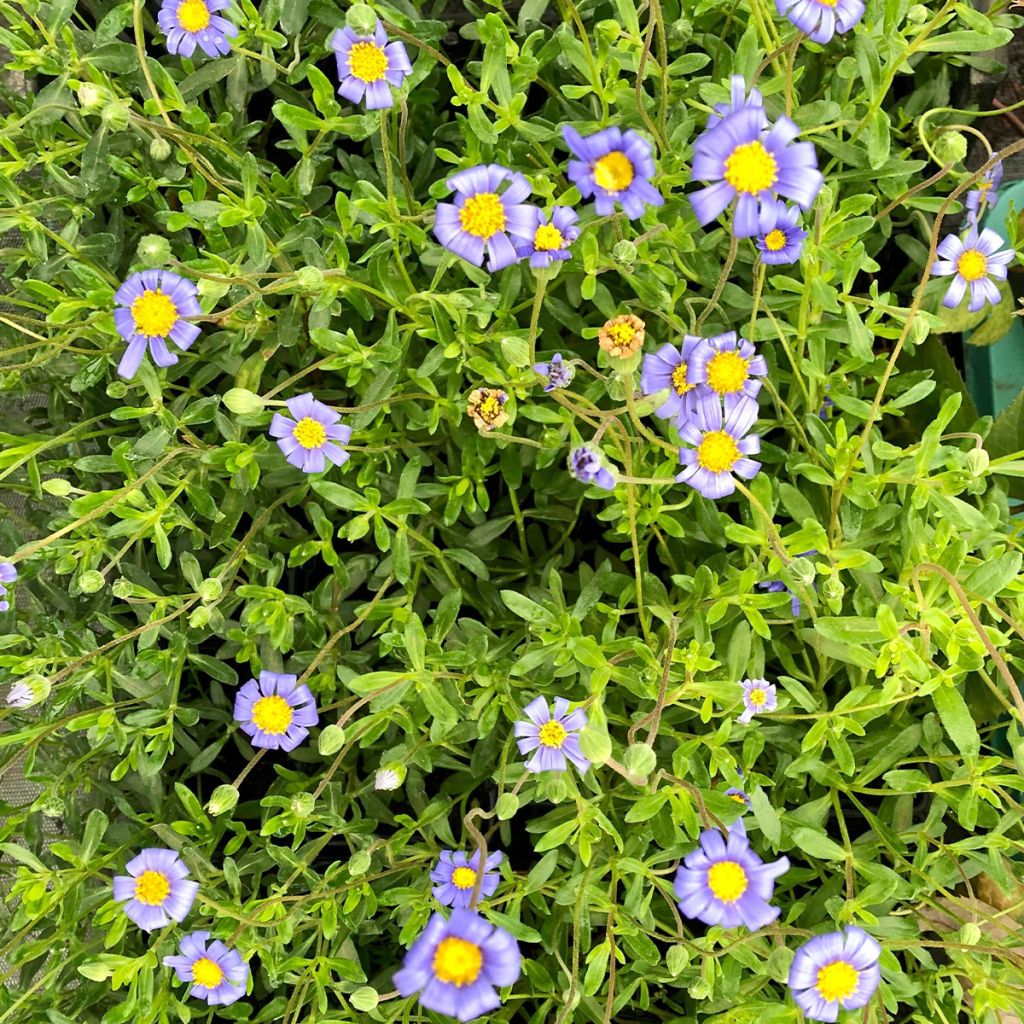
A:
456, 875
188, 23
780, 238
585, 465
547, 240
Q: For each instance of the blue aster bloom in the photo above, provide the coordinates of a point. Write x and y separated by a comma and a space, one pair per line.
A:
780, 239
191, 23
369, 66
217, 974
981, 195
456, 875
8, 574
586, 466
753, 164
721, 446
613, 166
976, 262
456, 965
833, 972
549, 240
738, 98
668, 368
156, 889
488, 208
819, 19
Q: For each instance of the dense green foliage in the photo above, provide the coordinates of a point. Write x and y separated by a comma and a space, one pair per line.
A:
445, 577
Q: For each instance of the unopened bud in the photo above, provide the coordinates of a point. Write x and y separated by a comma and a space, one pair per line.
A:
223, 799
950, 147
640, 760
57, 486
90, 96
91, 581
210, 589
624, 253
361, 19
303, 804
389, 776
508, 804
153, 250
977, 461
243, 402
364, 999
115, 116
331, 740
159, 149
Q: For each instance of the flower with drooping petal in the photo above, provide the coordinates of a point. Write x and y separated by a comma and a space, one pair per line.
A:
669, 368
369, 66
486, 408
758, 697
973, 262
8, 574
725, 882
721, 446
558, 373
613, 166
586, 466
482, 217
548, 240
20, 695
981, 195
275, 712
622, 336
728, 366
554, 737
217, 974
836, 971
819, 19
456, 965
780, 239
738, 98
456, 875
313, 436
754, 164
156, 889
151, 308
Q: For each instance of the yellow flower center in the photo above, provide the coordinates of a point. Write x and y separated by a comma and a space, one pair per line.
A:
679, 380
613, 172
751, 168
482, 215
727, 372
463, 878
548, 237
727, 881
738, 797
457, 961
717, 452
273, 714
972, 265
758, 697
836, 981
206, 973
552, 734
775, 240
310, 433
489, 409
367, 62
622, 334
154, 314
193, 15
828, 3
152, 888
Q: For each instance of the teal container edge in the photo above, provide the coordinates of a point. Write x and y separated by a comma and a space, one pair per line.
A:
995, 373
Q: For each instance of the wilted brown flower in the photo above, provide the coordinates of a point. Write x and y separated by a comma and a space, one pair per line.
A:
486, 408
622, 336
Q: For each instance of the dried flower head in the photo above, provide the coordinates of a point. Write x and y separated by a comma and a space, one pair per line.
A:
622, 336
486, 408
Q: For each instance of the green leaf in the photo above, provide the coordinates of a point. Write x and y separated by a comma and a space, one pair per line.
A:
957, 720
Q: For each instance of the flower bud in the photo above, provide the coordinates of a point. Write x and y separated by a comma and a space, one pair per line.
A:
624, 253
153, 250
223, 799
918, 14
389, 776
117, 389
640, 760
115, 116
970, 933
364, 999
53, 807
91, 581
310, 279
303, 804
90, 96
242, 402
159, 149
977, 462
331, 740
508, 804
361, 19
210, 589
950, 147
360, 863
680, 32
57, 486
